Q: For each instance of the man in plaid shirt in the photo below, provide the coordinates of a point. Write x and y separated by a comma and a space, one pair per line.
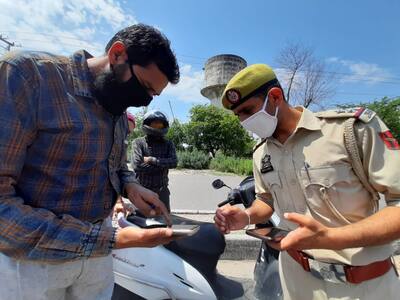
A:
62, 147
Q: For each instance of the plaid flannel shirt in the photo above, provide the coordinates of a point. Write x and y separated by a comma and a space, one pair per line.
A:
62, 159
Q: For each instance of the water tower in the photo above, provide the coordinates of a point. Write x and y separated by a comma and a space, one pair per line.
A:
218, 71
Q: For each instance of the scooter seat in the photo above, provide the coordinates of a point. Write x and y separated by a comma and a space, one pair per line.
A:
202, 250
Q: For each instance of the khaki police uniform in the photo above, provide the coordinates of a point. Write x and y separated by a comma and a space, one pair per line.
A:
311, 174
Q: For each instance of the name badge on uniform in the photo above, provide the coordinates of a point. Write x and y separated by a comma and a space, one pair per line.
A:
266, 165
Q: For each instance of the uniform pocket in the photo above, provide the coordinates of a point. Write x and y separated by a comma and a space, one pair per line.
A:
334, 192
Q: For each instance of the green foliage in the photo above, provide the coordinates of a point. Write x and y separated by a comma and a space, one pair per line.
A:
212, 129
177, 133
240, 166
388, 109
193, 160
137, 132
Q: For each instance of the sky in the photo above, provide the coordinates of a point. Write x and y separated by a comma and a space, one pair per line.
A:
358, 40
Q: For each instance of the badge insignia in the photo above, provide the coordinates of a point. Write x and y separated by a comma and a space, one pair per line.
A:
233, 96
365, 114
266, 165
389, 140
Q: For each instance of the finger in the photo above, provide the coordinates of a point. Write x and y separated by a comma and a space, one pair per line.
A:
275, 245
229, 210
142, 206
299, 219
219, 218
220, 215
157, 206
219, 222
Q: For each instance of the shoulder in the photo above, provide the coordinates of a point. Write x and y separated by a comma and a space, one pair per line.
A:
362, 114
31, 62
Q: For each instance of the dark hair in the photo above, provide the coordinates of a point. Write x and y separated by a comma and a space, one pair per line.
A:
146, 45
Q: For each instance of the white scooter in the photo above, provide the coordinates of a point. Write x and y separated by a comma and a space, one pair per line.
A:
186, 268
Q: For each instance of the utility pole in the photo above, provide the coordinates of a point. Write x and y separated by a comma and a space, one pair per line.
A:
8, 43
172, 112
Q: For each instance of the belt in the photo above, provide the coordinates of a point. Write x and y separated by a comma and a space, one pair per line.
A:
339, 273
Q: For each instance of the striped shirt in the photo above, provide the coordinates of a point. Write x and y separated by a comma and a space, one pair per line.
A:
62, 159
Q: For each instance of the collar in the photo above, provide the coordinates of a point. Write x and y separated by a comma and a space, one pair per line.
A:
82, 78
308, 120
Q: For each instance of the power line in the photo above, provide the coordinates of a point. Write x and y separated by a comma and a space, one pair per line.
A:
394, 80
8, 43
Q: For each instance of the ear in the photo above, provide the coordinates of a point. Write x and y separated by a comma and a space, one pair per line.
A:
117, 53
275, 95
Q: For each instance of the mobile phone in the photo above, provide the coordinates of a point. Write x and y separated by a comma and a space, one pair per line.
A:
274, 234
184, 230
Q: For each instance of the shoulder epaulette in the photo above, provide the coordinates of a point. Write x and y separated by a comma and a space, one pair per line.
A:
259, 145
361, 113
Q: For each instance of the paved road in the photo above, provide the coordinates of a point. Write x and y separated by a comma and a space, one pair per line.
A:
192, 190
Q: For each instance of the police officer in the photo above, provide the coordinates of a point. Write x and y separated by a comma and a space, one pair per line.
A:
339, 243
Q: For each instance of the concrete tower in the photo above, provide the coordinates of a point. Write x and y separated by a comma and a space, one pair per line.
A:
219, 70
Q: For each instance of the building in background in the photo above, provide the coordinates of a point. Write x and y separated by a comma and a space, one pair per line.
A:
218, 71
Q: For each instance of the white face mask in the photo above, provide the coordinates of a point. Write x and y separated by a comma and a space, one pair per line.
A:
262, 123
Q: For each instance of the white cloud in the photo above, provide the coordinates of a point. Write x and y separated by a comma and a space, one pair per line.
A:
362, 71
63, 26
188, 88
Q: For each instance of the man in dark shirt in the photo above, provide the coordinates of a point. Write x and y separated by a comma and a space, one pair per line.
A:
153, 155
63, 163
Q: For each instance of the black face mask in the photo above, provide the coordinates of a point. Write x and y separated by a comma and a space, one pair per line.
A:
117, 96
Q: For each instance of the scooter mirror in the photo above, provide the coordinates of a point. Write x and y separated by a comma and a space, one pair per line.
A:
217, 184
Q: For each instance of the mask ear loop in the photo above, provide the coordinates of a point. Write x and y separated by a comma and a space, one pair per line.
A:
265, 105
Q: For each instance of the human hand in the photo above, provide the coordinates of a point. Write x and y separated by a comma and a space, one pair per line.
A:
137, 237
228, 218
123, 207
147, 201
310, 234
149, 159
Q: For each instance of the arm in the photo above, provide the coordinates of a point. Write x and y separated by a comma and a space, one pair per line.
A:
382, 165
228, 218
169, 162
138, 163
31, 232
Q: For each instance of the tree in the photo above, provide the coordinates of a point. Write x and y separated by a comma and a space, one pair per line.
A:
177, 133
137, 132
307, 78
212, 129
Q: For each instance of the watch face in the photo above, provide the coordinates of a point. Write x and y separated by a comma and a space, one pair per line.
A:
233, 96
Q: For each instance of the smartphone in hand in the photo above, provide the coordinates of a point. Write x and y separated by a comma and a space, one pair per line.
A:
184, 230
274, 234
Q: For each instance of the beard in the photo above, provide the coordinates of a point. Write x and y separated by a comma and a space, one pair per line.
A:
116, 96
107, 90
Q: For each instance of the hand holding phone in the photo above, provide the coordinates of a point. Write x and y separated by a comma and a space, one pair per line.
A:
274, 234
